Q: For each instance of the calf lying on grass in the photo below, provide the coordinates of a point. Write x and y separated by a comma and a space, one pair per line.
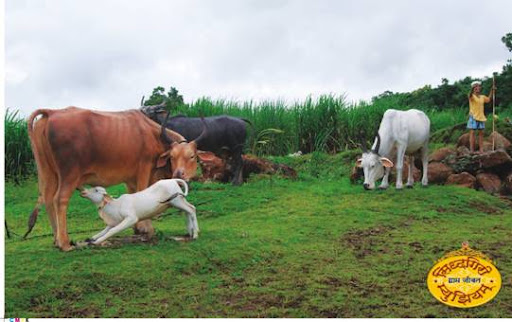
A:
127, 210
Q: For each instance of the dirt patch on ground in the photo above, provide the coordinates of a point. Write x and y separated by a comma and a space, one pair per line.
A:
365, 242
119, 241
416, 246
498, 251
81, 312
42, 308
354, 289
256, 304
485, 208
441, 210
332, 281
370, 241
507, 199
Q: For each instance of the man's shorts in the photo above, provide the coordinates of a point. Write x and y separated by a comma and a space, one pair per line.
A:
475, 125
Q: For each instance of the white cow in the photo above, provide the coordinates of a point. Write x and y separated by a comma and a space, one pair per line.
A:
127, 210
408, 132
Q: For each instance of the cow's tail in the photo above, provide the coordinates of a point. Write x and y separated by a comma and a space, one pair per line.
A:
36, 113
33, 216
250, 123
181, 183
184, 185
44, 113
252, 132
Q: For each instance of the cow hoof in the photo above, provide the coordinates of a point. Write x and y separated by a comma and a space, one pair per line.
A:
144, 228
82, 244
89, 241
410, 186
383, 187
145, 238
67, 248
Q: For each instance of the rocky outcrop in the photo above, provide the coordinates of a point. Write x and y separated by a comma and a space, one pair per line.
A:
463, 179
489, 182
441, 154
494, 159
507, 184
500, 142
438, 172
464, 140
217, 169
490, 171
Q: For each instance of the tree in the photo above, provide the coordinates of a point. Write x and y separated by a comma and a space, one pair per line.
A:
507, 40
172, 99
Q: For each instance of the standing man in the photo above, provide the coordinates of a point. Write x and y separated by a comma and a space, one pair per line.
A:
476, 114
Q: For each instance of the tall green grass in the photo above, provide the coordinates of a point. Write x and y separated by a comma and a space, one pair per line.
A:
446, 118
19, 162
325, 124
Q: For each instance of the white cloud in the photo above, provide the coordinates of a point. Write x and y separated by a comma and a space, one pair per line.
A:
106, 54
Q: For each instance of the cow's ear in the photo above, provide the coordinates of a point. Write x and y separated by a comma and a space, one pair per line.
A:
359, 163
386, 162
162, 159
204, 156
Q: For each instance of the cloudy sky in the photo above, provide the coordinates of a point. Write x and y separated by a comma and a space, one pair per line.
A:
106, 54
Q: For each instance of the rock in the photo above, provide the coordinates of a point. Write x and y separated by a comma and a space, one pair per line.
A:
216, 169
500, 142
494, 159
487, 146
490, 182
498, 161
356, 174
462, 151
438, 172
213, 168
507, 184
464, 140
441, 154
463, 179
416, 173
253, 164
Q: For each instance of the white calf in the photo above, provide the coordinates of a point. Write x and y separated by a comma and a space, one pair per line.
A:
127, 210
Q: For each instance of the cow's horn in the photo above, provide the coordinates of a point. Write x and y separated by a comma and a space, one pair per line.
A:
377, 146
163, 104
203, 134
163, 135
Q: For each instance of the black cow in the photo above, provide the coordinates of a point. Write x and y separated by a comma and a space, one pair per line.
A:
226, 135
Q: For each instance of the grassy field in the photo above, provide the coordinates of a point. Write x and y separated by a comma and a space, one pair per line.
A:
316, 246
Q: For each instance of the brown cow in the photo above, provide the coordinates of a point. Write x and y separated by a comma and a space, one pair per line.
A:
73, 147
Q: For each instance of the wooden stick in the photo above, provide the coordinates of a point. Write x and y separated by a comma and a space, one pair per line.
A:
493, 111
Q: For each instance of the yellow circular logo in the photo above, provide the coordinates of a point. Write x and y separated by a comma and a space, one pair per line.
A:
464, 280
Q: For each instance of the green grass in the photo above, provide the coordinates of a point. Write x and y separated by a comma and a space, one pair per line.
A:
19, 162
312, 247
